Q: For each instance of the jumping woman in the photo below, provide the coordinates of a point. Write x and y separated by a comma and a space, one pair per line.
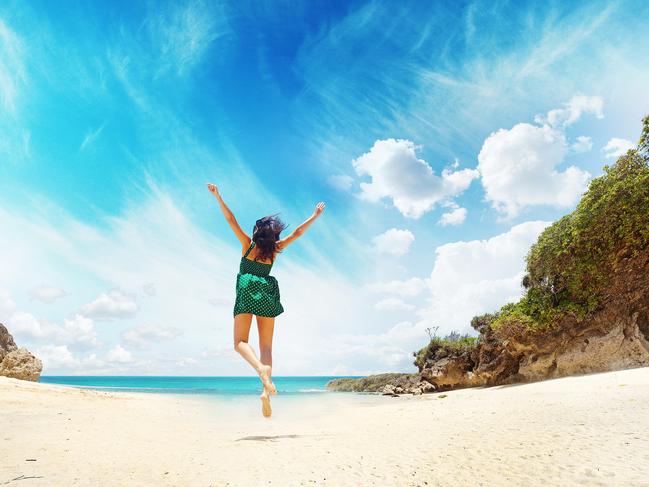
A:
258, 291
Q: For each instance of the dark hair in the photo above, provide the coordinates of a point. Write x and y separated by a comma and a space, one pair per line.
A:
265, 235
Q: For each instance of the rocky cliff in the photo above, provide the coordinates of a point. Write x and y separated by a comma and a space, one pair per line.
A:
15, 362
586, 303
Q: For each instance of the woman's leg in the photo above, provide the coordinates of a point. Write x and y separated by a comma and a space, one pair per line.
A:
265, 327
242, 323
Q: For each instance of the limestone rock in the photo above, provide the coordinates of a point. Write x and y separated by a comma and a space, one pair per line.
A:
15, 362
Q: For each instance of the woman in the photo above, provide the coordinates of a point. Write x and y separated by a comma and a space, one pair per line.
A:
258, 291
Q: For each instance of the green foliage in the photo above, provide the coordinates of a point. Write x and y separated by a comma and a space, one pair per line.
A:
451, 345
568, 267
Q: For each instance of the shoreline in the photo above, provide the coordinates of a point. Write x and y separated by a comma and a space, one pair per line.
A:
587, 430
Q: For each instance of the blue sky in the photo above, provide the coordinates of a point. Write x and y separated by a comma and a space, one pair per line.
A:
442, 136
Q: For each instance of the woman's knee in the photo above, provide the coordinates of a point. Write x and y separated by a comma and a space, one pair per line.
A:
238, 341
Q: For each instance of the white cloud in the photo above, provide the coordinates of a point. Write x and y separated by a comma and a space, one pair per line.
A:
12, 69
394, 241
408, 288
183, 33
149, 289
90, 137
583, 144
47, 294
111, 305
186, 362
572, 111
25, 325
390, 350
56, 357
144, 335
342, 182
453, 217
119, 355
393, 304
7, 306
519, 168
221, 301
397, 173
478, 276
617, 147
79, 332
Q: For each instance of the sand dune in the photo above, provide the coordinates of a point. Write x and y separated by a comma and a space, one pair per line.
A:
591, 430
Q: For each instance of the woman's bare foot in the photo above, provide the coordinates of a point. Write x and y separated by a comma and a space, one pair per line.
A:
264, 375
265, 404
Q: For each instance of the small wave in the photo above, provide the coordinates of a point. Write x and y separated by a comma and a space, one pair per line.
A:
311, 390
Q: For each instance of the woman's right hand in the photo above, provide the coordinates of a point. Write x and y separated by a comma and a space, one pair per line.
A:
319, 208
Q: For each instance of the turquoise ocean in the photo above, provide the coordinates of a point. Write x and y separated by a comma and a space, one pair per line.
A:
215, 386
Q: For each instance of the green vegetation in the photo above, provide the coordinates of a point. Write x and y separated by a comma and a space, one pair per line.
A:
451, 345
568, 267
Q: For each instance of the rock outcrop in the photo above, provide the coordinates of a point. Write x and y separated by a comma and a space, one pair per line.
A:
15, 362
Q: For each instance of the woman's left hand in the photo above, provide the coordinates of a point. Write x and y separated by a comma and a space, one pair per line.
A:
213, 189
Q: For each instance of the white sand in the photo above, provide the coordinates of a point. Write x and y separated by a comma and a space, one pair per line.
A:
591, 430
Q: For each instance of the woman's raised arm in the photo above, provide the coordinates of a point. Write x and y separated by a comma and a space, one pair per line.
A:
229, 216
301, 228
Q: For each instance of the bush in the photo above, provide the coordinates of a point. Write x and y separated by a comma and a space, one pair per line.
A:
568, 266
451, 345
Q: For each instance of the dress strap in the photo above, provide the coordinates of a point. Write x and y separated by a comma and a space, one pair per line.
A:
249, 249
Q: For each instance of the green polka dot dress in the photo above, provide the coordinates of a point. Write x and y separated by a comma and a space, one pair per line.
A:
257, 291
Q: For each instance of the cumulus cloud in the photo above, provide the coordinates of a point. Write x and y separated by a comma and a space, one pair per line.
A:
144, 335
56, 357
407, 288
77, 332
617, 147
47, 294
519, 168
582, 144
394, 241
478, 276
393, 304
111, 305
453, 217
25, 325
342, 182
391, 350
119, 355
572, 111
398, 174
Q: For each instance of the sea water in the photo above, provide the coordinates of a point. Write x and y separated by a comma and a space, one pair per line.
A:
234, 397
221, 386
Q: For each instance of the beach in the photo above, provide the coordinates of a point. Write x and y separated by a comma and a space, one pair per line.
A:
591, 430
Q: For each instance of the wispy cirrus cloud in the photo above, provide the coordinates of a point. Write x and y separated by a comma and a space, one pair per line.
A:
13, 71
90, 137
182, 33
